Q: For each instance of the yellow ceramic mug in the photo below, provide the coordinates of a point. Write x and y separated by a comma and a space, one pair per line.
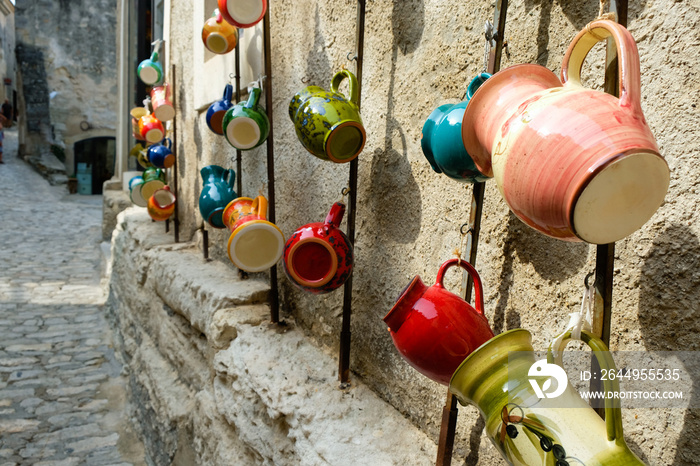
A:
255, 243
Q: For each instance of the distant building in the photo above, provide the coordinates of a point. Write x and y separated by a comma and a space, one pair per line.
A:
67, 84
8, 66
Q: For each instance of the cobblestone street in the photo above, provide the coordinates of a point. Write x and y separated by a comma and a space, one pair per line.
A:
62, 398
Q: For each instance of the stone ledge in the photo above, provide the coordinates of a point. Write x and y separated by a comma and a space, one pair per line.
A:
281, 393
214, 383
198, 289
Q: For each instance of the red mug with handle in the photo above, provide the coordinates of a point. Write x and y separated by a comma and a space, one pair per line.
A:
434, 329
318, 257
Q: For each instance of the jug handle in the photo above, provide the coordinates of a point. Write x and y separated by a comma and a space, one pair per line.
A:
253, 98
478, 294
217, 15
613, 411
228, 93
335, 216
628, 58
154, 57
259, 206
230, 177
476, 84
167, 143
354, 86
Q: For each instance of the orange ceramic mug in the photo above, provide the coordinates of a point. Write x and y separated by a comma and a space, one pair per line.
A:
151, 129
162, 204
255, 243
218, 35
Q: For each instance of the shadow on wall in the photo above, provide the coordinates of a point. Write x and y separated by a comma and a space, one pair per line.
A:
552, 259
396, 202
578, 13
669, 316
318, 68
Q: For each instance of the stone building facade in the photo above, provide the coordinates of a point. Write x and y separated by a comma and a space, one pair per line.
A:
211, 380
67, 67
8, 66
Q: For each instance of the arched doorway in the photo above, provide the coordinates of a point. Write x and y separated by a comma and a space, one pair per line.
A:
94, 163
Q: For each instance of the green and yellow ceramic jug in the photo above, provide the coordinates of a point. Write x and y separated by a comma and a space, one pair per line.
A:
327, 123
501, 379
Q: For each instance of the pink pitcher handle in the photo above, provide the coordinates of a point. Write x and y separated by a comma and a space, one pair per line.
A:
478, 295
628, 59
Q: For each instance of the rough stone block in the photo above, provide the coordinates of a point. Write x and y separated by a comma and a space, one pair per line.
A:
281, 393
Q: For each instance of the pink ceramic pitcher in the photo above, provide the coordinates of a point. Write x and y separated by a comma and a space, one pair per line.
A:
434, 329
574, 163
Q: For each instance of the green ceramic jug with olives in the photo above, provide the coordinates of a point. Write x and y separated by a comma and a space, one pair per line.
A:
505, 382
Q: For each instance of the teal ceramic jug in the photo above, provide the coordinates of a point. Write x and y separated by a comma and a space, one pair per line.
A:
552, 428
217, 192
327, 123
442, 139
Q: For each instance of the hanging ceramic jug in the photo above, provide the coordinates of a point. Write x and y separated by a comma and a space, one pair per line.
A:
217, 110
135, 191
218, 35
150, 70
161, 204
559, 428
246, 125
153, 180
442, 139
318, 257
161, 155
327, 123
217, 193
573, 163
161, 101
151, 129
243, 13
255, 244
433, 329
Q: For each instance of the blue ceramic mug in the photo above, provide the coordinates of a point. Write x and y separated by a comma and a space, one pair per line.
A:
217, 110
442, 139
161, 155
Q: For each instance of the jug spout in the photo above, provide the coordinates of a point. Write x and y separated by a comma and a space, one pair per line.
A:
403, 306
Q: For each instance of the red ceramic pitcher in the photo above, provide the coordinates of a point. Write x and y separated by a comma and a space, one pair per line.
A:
318, 257
571, 162
434, 329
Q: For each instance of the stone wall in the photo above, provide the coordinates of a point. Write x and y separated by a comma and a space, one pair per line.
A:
213, 383
420, 54
66, 57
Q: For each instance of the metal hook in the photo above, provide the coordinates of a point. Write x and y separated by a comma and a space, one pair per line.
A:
585, 280
345, 191
469, 229
305, 80
354, 58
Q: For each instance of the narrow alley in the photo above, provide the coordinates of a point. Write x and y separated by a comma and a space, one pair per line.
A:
62, 395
